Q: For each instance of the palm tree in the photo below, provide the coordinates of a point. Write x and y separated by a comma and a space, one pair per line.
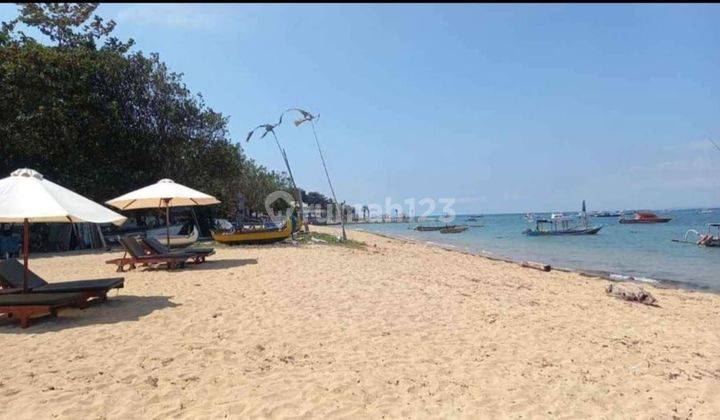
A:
308, 117
366, 212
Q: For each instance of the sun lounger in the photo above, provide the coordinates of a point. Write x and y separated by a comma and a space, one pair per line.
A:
135, 254
25, 305
198, 255
12, 273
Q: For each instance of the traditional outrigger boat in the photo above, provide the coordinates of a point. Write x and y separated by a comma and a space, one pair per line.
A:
262, 235
643, 217
709, 239
429, 228
560, 224
454, 229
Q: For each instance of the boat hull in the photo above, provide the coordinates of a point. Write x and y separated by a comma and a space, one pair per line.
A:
644, 222
589, 231
454, 229
250, 237
176, 240
428, 228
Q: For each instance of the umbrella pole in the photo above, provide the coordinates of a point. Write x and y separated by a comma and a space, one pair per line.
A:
26, 251
167, 221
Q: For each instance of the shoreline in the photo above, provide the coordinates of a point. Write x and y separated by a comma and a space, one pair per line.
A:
669, 284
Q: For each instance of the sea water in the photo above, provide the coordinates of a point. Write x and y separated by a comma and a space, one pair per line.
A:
642, 251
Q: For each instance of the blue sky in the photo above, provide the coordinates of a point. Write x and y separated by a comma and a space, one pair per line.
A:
506, 108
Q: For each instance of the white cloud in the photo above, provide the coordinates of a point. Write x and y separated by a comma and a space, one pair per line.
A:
180, 16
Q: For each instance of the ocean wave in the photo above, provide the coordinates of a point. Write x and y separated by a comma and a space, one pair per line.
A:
441, 245
623, 277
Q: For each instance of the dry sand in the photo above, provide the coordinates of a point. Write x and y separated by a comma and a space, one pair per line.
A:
397, 330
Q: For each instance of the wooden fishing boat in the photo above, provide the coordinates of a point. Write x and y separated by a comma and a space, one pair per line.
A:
645, 217
539, 231
429, 228
710, 239
453, 229
254, 236
561, 224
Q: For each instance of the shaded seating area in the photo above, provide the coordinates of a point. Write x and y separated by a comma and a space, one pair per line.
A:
136, 255
12, 273
23, 306
197, 255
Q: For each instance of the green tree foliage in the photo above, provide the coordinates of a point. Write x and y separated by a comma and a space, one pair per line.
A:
103, 120
314, 198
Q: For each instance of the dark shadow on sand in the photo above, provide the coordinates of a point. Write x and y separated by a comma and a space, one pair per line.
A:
211, 264
117, 309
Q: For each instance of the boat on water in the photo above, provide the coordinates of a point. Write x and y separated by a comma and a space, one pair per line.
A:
561, 224
644, 217
607, 214
711, 239
454, 229
421, 228
706, 211
249, 235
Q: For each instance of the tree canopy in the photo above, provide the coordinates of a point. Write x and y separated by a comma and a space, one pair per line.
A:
103, 120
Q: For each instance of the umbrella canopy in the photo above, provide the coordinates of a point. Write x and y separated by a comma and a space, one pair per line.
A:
27, 197
165, 193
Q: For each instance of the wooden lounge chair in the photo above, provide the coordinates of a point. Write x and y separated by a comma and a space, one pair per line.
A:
197, 255
135, 254
25, 305
12, 273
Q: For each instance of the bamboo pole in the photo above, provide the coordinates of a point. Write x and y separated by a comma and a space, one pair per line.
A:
327, 175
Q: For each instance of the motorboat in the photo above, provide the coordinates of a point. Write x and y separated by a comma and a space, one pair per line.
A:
607, 214
644, 217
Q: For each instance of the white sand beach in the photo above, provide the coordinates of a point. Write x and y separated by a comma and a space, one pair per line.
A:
398, 329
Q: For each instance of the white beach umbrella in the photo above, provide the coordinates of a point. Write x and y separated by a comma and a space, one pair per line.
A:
27, 197
163, 194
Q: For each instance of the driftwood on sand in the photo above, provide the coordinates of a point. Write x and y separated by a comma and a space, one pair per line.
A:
536, 266
631, 292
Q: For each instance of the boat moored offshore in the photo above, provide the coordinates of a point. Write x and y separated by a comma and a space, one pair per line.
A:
561, 224
643, 217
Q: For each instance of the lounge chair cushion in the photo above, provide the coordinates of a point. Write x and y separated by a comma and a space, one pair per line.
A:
161, 248
133, 247
40, 299
12, 272
98, 285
